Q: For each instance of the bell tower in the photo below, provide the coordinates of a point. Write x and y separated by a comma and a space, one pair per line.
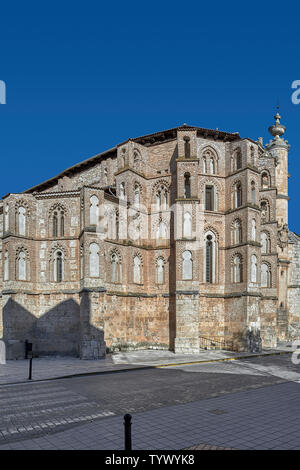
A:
279, 149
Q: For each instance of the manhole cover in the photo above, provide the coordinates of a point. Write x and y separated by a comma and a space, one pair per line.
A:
218, 412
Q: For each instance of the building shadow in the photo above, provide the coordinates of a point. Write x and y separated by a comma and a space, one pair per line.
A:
64, 330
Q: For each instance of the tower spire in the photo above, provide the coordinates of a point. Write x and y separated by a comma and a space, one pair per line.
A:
278, 129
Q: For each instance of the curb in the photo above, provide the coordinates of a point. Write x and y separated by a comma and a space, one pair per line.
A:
158, 366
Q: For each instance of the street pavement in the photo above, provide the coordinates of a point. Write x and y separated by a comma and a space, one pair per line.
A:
243, 404
54, 367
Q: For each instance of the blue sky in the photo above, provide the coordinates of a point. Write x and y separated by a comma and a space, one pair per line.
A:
84, 76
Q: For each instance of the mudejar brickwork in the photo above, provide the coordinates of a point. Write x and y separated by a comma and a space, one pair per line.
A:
156, 243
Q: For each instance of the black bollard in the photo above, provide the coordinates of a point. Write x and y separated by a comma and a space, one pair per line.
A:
127, 427
30, 368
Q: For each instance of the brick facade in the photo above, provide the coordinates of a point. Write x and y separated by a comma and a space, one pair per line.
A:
154, 244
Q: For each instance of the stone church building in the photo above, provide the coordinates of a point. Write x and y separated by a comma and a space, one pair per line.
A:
174, 240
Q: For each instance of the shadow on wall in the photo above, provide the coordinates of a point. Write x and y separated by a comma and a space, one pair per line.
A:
64, 330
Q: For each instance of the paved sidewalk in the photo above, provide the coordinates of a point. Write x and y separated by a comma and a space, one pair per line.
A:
265, 418
56, 367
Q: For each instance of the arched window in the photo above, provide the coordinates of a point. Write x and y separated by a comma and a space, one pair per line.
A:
6, 266
161, 199
161, 233
253, 193
58, 223
187, 266
238, 159
187, 225
187, 185
137, 279
253, 268
209, 259
21, 266
252, 155
136, 194
265, 242
136, 160
265, 275
160, 271
62, 224
94, 210
122, 191
22, 220
264, 180
237, 269
265, 211
117, 218
94, 260
81, 262
187, 147
6, 218
209, 160
55, 224
116, 271
253, 229
58, 266
236, 232
237, 195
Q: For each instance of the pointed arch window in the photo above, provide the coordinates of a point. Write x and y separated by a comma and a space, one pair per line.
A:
187, 225
137, 279
253, 193
253, 230
137, 191
265, 212
265, 243
265, 275
187, 185
62, 224
21, 266
136, 161
58, 223
22, 220
253, 274
210, 258
6, 266
160, 271
122, 191
237, 232
187, 266
238, 160
265, 180
115, 268
94, 210
237, 269
161, 199
237, 195
6, 218
55, 225
94, 260
187, 147
161, 233
58, 266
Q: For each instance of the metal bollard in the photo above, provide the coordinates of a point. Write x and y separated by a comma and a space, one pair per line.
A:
127, 427
30, 367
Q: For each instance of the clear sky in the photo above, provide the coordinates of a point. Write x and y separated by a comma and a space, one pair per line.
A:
84, 76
